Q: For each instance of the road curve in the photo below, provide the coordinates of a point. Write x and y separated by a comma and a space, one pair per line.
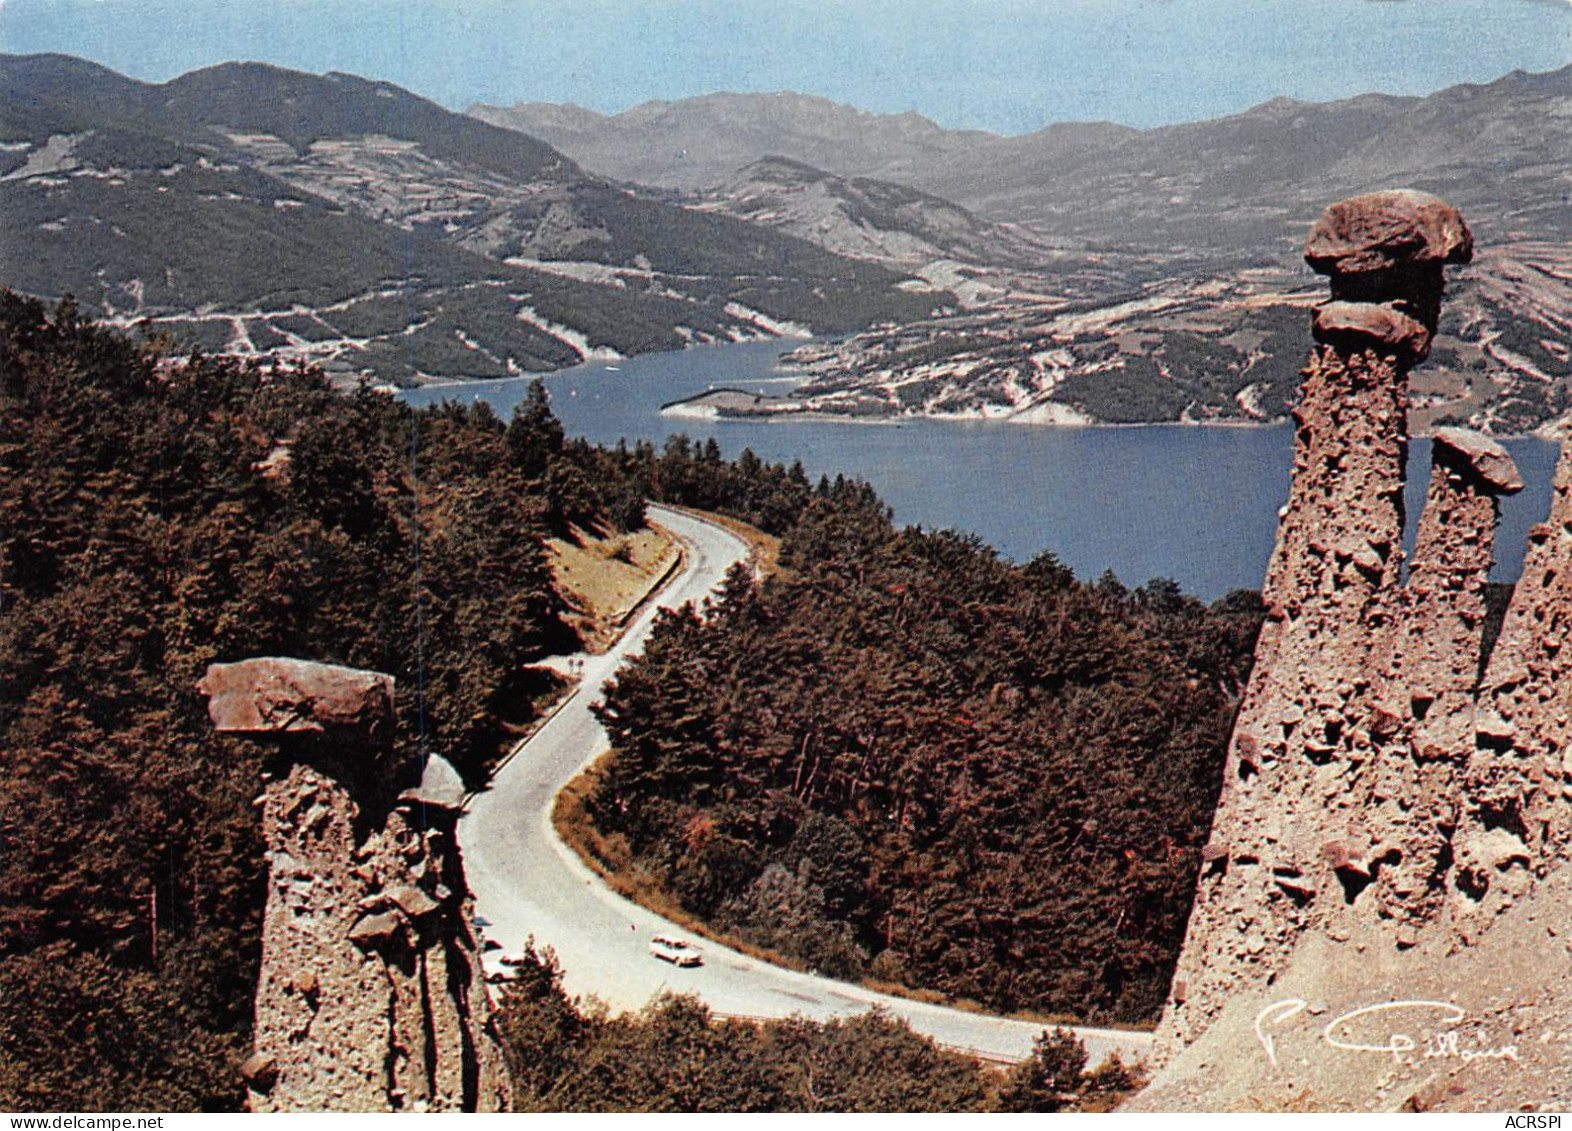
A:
528, 883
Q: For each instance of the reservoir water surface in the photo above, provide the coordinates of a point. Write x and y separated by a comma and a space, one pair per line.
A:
1195, 504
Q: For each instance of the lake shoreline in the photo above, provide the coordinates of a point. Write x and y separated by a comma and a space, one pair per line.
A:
1195, 501
1549, 432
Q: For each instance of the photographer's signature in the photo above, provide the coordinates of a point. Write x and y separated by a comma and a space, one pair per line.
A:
1407, 1031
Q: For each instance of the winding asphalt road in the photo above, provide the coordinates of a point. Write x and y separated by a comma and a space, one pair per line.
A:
528, 883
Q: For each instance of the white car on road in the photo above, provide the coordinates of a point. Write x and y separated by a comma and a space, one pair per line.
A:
679, 952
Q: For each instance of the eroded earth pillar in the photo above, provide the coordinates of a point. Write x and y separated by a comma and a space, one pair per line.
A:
1383, 917
371, 994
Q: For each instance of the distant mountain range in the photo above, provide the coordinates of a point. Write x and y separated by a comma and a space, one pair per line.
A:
865, 218
1247, 181
258, 210
699, 143
1083, 272
1109, 273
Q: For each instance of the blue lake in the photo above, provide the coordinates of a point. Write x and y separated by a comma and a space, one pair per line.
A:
1198, 505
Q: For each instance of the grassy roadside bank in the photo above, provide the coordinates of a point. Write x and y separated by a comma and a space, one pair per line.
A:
606, 577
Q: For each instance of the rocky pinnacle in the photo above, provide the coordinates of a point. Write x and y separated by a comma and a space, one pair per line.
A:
1344, 809
371, 995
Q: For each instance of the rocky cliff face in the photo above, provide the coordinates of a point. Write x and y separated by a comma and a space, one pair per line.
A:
1377, 922
371, 996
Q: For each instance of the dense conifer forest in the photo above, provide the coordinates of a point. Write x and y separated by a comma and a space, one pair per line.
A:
906, 759
676, 1056
900, 756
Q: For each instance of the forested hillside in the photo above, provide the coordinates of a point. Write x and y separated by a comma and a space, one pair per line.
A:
260, 211
157, 515
677, 1056
907, 759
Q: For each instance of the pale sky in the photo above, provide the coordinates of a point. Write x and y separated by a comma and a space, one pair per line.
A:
1010, 66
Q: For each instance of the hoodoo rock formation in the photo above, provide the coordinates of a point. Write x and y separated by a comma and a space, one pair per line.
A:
371, 995
1381, 920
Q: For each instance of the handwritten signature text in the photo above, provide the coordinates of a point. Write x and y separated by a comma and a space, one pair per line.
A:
1407, 1031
